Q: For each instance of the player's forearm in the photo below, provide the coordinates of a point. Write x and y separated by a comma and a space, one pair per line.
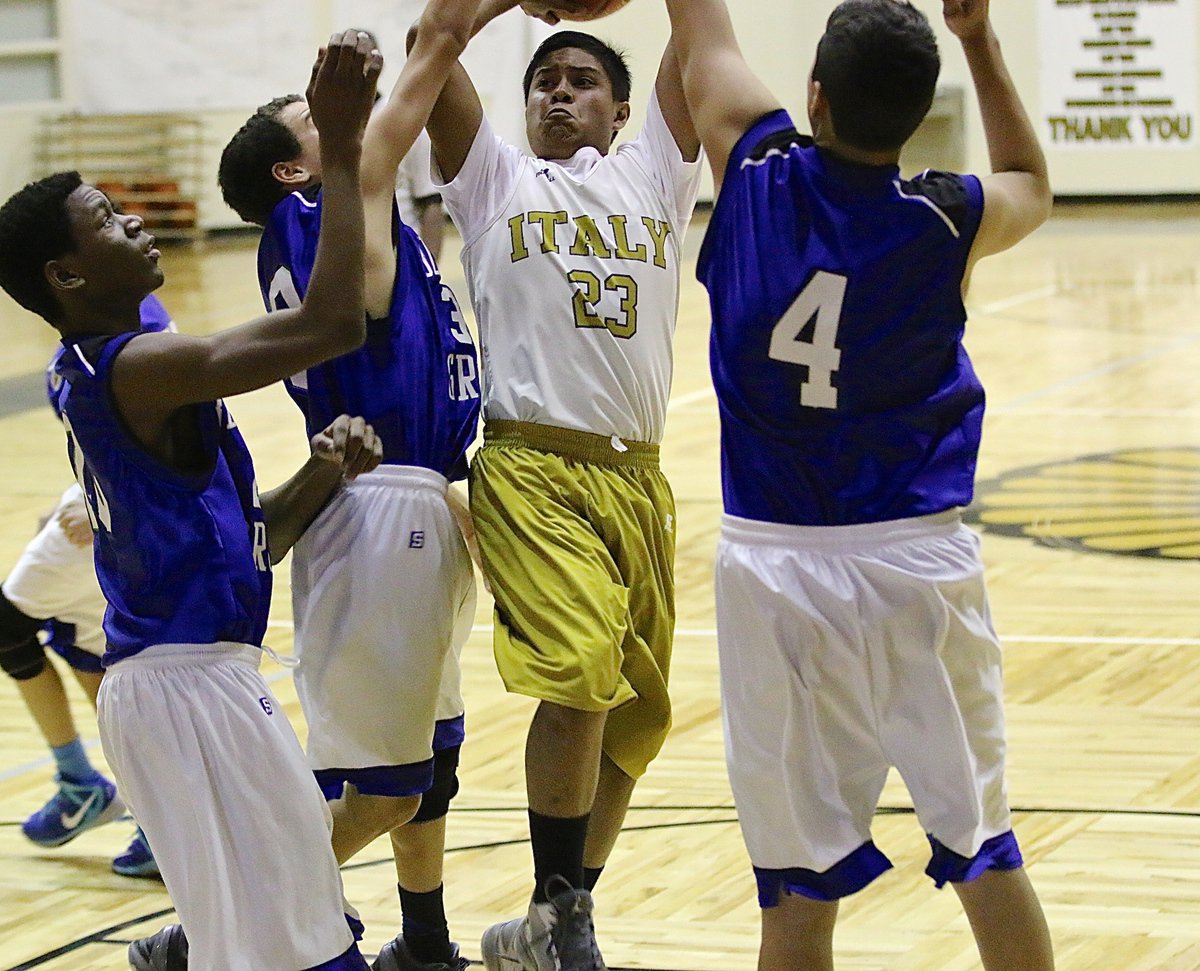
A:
1012, 142
489, 10
686, 20
333, 308
290, 509
485, 12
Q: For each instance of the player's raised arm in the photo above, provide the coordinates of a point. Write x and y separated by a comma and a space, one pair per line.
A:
1017, 196
458, 113
724, 95
671, 100
159, 373
442, 33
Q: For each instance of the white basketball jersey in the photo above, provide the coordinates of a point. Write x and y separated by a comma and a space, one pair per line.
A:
573, 269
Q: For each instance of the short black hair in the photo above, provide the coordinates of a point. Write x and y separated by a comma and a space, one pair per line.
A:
611, 60
247, 184
35, 228
878, 65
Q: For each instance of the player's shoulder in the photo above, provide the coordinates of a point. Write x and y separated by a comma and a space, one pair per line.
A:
774, 135
300, 209
957, 198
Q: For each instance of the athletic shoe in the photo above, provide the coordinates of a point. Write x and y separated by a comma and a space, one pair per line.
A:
555, 936
74, 809
137, 860
396, 956
165, 951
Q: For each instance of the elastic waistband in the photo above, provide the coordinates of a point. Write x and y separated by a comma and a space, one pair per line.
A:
190, 655
840, 539
403, 477
572, 444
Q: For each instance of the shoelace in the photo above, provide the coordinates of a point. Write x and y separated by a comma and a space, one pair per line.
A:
574, 936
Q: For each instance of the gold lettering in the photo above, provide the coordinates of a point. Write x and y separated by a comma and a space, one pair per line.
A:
588, 240
516, 229
659, 231
549, 221
621, 235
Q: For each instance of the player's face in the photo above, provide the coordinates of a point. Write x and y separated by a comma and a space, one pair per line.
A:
571, 105
298, 119
115, 258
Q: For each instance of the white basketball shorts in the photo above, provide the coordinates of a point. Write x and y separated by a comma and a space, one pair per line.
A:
55, 578
383, 596
207, 760
844, 651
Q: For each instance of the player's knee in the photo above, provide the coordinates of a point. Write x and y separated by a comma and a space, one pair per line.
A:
21, 656
435, 802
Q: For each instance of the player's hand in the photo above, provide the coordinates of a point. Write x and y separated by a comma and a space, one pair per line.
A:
73, 520
966, 19
552, 11
349, 443
341, 90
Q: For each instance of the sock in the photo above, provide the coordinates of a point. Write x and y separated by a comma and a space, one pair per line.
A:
591, 874
424, 925
72, 762
557, 849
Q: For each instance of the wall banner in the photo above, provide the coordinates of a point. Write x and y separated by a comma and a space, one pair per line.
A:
1118, 73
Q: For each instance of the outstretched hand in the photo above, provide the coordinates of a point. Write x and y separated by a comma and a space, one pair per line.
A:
552, 11
349, 443
966, 19
341, 90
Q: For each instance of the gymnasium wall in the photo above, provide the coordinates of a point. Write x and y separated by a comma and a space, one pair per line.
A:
778, 35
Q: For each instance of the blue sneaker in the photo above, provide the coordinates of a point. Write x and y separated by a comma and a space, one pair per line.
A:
137, 860
74, 809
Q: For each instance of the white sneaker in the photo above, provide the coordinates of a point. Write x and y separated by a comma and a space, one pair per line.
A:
554, 936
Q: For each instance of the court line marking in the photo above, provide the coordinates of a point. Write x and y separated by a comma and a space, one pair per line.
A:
1120, 364
1011, 638
1016, 300
105, 936
709, 632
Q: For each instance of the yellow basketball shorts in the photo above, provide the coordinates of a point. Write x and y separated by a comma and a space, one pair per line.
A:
577, 537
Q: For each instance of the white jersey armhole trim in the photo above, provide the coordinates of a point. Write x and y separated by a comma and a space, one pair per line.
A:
931, 204
83, 360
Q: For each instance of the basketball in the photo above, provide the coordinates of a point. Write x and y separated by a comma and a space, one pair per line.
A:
595, 10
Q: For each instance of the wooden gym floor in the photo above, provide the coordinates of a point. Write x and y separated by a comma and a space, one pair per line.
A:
1087, 338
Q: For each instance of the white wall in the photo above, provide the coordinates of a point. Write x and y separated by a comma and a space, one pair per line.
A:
779, 37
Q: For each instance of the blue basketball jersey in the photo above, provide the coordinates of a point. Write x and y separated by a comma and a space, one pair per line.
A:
416, 379
845, 393
181, 557
154, 318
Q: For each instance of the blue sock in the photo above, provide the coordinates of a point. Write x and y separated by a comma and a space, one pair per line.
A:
72, 762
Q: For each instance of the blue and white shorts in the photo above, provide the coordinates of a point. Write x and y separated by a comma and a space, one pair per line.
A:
846, 651
383, 596
55, 578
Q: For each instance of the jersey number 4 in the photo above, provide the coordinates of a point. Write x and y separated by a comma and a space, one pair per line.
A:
821, 298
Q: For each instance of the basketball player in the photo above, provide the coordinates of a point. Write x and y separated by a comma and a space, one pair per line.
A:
184, 544
852, 621
52, 599
382, 584
573, 259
